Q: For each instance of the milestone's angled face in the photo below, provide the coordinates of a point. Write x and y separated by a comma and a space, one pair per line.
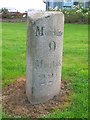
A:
34, 15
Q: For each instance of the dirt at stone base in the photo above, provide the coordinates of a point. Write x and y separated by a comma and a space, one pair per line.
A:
15, 102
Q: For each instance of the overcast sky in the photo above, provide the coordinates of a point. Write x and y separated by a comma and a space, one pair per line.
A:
23, 5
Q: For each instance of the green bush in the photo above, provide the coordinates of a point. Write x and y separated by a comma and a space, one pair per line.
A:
76, 18
77, 14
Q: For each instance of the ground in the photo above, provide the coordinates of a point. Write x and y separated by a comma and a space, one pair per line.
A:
74, 67
15, 102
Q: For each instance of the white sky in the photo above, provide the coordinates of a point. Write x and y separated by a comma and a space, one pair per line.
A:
23, 5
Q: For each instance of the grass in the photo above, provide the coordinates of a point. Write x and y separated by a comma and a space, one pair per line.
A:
75, 64
0, 68
13, 51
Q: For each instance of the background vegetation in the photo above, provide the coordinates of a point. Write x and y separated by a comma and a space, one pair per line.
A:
76, 14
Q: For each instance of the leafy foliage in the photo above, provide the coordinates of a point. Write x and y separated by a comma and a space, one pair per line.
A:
4, 10
77, 14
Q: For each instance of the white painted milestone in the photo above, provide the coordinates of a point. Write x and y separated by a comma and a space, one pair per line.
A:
44, 55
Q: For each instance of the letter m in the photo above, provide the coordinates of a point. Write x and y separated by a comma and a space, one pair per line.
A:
39, 31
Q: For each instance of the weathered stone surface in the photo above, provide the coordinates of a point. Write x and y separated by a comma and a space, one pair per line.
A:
44, 55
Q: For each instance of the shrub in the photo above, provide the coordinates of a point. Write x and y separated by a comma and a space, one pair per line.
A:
77, 14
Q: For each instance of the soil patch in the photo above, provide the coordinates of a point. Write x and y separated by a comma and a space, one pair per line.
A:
15, 102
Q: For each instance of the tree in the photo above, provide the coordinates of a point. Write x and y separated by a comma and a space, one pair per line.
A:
5, 13
4, 10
